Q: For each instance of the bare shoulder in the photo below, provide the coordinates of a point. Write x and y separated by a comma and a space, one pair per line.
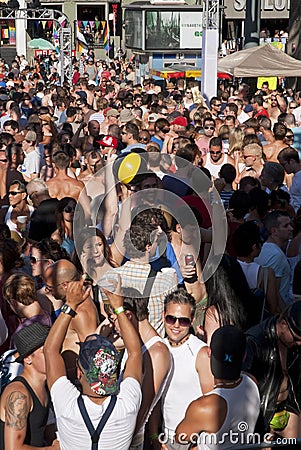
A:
159, 351
15, 401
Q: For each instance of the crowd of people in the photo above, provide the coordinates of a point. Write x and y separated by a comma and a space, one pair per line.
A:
149, 261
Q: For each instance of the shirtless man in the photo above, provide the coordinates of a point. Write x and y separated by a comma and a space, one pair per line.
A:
252, 154
271, 348
57, 277
64, 186
271, 151
94, 181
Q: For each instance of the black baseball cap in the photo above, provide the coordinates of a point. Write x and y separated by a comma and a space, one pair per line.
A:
228, 346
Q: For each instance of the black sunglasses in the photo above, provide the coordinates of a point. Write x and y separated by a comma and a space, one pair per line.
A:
13, 193
143, 139
183, 321
209, 128
165, 130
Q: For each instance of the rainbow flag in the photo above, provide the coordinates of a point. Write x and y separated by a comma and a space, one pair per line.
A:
106, 40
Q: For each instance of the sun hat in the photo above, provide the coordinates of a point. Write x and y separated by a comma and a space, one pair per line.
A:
126, 116
31, 136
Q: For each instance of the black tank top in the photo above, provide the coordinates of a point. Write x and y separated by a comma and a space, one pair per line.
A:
36, 421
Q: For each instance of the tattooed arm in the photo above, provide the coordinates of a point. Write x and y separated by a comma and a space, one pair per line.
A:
17, 406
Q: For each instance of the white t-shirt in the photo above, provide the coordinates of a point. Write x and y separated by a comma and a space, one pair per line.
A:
32, 163
119, 429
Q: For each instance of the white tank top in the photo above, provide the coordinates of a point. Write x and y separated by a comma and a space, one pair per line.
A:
243, 403
215, 168
184, 385
251, 272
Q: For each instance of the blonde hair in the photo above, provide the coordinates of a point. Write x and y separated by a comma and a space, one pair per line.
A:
254, 148
236, 138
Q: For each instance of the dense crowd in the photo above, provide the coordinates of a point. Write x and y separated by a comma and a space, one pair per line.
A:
149, 260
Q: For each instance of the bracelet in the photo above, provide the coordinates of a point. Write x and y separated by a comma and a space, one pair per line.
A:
153, 437
119, 310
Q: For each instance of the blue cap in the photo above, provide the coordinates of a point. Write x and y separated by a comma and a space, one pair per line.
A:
2, 84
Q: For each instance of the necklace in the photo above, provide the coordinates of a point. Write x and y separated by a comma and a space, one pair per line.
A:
182, 341
227, 384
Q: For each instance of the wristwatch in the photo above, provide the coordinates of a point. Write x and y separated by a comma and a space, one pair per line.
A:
66, 309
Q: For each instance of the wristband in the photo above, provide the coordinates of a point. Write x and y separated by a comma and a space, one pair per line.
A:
153, 437
119, 310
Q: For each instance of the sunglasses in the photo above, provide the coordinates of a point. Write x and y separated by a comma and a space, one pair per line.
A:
14, 193
69, 209
215, 153
123, 132
249, 156
209, 128
143, 139
165, 130
289, 136
3, 160
34, 260
183, 321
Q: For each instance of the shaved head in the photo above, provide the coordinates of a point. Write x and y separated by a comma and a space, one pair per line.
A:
57, 276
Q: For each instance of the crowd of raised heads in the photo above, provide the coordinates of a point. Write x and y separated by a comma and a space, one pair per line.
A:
140, 225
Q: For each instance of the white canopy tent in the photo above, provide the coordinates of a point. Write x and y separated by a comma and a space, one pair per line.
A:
259, 61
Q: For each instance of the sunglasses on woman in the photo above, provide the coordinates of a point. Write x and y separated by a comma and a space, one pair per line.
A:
183, 321
34, 260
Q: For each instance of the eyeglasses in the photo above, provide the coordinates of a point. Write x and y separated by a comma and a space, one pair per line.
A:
290, 136
209, 128
218, 104
14, 193
69, 209
138, 100
143, 139
183, 321
34, 260
50, 288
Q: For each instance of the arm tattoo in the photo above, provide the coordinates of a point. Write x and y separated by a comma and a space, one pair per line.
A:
16, 410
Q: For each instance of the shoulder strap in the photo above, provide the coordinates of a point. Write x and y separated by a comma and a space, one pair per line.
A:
95, 433
149, 283
265, 289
